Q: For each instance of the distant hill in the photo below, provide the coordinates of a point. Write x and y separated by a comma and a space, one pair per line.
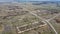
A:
45, 2
37, 2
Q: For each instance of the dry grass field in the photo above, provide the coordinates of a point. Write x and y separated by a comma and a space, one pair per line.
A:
16, 15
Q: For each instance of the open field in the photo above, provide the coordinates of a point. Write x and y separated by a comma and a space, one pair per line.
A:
18, 15
56, 23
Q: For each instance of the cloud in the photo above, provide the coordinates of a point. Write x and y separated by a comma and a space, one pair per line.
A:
25, 0
6, 0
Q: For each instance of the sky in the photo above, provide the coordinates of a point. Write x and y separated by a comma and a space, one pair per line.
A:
25, 0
